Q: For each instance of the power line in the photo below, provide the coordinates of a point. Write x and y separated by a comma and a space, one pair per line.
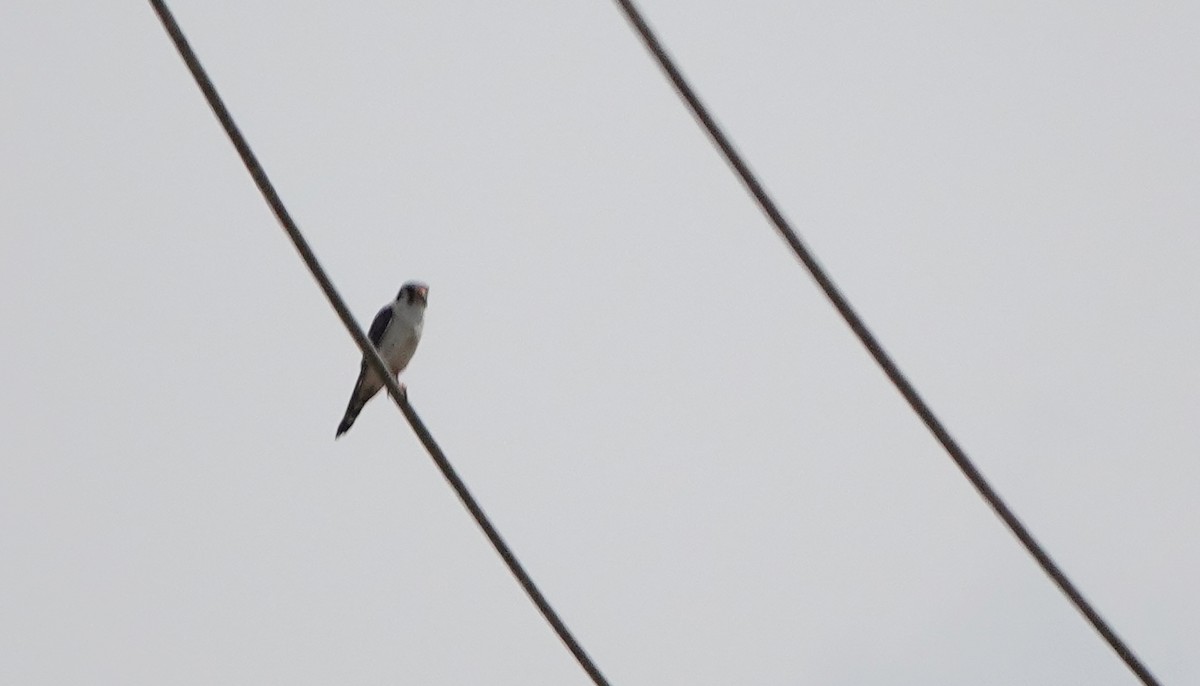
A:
935, 426
370, 354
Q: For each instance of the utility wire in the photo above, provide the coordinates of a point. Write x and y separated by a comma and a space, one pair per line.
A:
935, 426
369, 352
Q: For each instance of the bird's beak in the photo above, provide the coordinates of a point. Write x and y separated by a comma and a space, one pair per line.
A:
423, 291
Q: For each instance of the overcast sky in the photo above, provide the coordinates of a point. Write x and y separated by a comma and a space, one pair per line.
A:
705, 472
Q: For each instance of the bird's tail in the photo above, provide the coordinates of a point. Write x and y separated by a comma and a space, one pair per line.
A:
348, 419
356, 405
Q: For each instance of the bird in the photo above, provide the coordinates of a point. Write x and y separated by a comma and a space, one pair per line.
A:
395, 334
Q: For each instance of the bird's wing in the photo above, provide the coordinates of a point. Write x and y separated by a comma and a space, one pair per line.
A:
380, 325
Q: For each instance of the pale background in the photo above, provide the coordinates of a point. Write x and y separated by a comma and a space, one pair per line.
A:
706, 473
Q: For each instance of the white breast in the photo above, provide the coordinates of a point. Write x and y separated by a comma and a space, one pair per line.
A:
402, 335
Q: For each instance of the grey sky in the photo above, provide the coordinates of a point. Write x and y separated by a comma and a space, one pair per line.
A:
705, 472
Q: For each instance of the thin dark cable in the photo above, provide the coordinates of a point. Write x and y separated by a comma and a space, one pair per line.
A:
873, 346
372, 356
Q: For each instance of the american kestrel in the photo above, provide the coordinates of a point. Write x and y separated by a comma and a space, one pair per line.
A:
395, 334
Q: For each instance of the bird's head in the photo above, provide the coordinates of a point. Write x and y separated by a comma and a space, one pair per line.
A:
414, 293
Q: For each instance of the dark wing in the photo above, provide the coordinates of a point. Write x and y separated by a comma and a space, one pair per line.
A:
379, 325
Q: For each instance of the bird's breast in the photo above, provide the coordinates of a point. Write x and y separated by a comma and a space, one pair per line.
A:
399, 343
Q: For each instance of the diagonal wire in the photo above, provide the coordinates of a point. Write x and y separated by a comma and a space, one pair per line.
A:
369, 352
872, 344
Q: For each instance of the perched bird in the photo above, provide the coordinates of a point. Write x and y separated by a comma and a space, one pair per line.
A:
395, 334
